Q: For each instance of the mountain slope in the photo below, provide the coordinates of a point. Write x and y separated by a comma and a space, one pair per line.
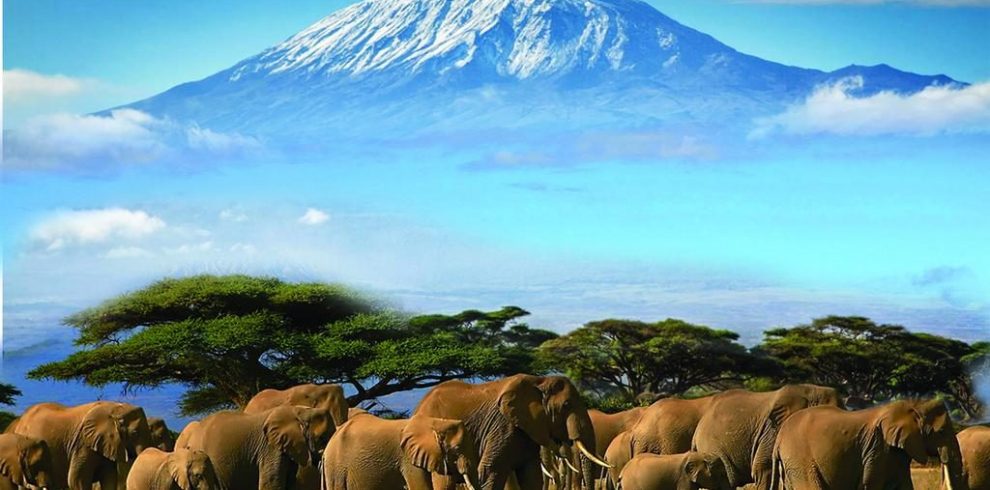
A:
437, 61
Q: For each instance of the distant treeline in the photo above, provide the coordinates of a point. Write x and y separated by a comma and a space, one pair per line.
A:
225, 338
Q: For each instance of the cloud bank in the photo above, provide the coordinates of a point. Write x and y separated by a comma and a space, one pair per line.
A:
834, 109
65, 228
122, 137
21, 85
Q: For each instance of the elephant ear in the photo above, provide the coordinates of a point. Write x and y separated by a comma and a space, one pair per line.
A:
521, 402
101, 432
178, 468
902, 428
285, 432
11, 464
422, 442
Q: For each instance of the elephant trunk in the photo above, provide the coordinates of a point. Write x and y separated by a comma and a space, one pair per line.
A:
582, 435
468, 469
952, 472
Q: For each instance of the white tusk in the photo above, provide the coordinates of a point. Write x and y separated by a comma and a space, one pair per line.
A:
547, 473
467, 482
569, 465
590, 456
945, 477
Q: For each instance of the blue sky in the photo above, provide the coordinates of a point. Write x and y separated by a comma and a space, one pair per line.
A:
838, 205
821, 222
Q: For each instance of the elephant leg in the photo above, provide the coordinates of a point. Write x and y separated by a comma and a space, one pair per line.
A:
82, 468
108, 478
530, 477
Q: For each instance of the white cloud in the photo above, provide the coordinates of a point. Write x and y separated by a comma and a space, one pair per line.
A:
233, 215
82, 227
21, 85
929, 3
313, 217
833, 109
125, 136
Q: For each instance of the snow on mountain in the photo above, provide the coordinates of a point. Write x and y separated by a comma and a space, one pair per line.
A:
438, 61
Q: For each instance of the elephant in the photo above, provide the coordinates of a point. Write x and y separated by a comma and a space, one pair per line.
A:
161, 437
665, 427
182, 469
329, 397
974, 443
509, 420
609, 425
740, 427
686, 471
86, 442
24, 461
261, 450
371, 453
869, 449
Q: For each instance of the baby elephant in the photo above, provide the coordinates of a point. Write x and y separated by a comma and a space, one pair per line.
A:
183, 469
24, 462
370, 453
685, 471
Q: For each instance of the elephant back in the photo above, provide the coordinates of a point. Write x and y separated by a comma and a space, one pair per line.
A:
974, 444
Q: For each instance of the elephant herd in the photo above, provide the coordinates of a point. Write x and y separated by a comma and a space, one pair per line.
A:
520, 432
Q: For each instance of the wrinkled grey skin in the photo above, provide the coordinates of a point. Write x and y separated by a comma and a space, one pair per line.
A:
510, 420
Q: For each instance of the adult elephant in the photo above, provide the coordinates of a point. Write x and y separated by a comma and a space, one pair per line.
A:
328, 397
740, 427
871, 448
181, 469
370, 453
665, 427
161, 437
86, 442
25, 462
509, 420
974, 443
609, 425
687, 471
260, 450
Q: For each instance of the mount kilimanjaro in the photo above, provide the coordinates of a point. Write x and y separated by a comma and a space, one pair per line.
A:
449, 64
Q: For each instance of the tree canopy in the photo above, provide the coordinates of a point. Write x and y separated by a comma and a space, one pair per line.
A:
633, 358
874, 362
227, 337
8, 393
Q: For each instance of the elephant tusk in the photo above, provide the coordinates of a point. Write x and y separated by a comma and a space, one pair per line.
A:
945, 477
547, 473
569, 465
592, 457
467, 482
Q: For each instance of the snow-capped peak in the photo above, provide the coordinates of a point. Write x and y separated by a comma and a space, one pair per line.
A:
503, 38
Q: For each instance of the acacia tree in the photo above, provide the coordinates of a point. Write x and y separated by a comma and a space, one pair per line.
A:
874, 362
668, 357
225, 338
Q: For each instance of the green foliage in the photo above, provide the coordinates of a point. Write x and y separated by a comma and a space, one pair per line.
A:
227, 337
630, 358
5, 419
873, 361
8, 393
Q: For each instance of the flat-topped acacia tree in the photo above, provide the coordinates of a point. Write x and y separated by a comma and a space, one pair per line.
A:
225, 338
